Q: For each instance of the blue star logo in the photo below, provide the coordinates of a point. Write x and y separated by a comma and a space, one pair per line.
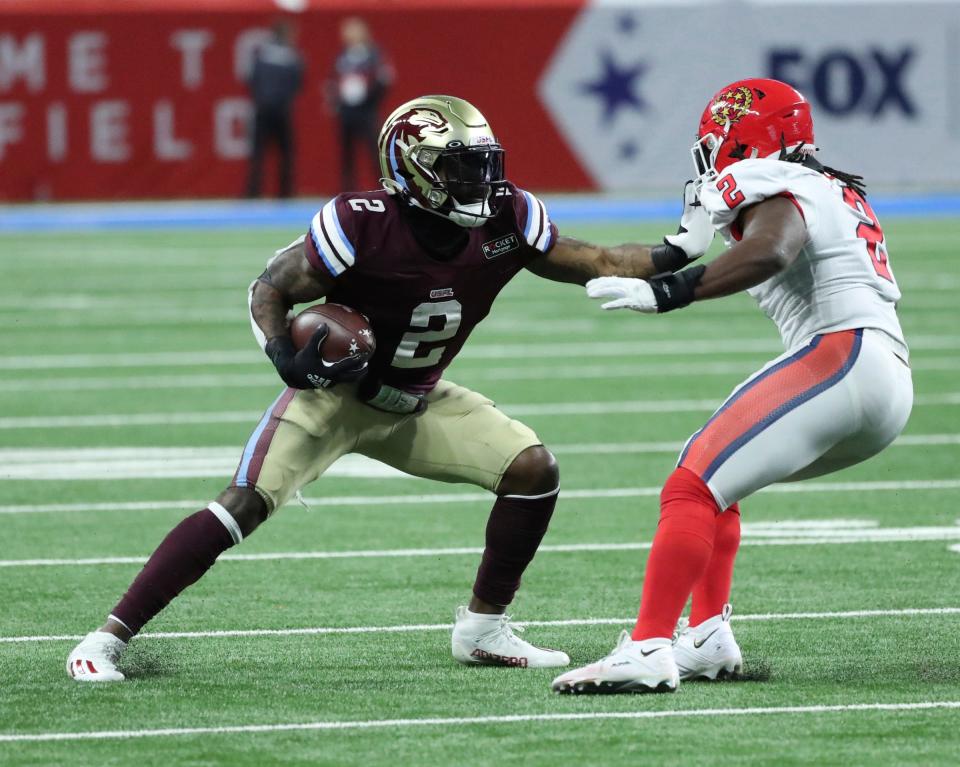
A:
628, 151
617, 87
627, 23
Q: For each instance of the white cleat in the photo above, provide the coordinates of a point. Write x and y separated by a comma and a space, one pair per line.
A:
488, 640
645, 666
708, 651
95, 658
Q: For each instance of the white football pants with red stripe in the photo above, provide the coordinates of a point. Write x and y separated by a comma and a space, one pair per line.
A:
836, 401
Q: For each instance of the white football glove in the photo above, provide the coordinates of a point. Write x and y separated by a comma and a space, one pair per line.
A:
627, 292
696, 232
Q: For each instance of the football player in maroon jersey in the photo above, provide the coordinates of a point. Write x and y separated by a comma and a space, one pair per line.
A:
423, 258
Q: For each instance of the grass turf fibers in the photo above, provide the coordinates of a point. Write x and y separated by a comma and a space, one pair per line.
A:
74, 306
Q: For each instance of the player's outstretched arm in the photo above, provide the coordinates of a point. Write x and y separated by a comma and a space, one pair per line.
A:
774, 233
572, 260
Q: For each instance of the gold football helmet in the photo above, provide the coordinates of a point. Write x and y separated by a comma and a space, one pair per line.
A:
438, 153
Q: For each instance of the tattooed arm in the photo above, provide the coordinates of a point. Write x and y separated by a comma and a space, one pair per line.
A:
288, 279
572, 260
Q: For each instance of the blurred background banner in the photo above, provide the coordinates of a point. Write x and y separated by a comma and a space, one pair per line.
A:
120, 99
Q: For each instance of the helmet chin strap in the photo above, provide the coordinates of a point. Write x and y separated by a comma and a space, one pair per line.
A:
392, 187
468, 216
471, 215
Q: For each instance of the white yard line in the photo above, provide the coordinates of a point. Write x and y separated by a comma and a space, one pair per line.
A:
514, 410
130, 383
418, 627
251, 416
465, 376
128, 419
558, 350
461, 721
203, 359
40, 464
354, 501
106, 463
788, 533
597, 448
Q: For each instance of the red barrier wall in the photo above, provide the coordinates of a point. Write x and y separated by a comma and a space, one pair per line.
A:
141, 99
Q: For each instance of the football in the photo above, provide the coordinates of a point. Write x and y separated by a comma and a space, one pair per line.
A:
350, 333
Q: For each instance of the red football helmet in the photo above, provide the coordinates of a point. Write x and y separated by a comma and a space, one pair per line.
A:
751, 118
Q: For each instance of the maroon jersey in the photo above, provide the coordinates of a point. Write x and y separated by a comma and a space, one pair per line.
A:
421, 309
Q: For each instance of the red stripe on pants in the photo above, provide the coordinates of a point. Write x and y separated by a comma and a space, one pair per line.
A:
764, 396
263, 443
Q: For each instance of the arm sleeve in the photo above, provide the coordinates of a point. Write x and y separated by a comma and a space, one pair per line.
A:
538, 230
330, 240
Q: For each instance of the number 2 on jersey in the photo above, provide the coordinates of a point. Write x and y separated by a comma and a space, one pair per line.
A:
420, 333
871, 233
727, 187
361, 203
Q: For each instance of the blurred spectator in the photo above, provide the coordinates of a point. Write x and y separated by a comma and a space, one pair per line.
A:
275, 78
360, 79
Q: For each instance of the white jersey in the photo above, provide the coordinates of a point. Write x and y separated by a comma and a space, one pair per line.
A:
842, 279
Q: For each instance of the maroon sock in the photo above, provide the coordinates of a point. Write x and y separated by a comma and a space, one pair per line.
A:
188, 551
516, 526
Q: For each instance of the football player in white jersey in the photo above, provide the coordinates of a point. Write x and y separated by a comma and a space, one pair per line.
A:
802, 239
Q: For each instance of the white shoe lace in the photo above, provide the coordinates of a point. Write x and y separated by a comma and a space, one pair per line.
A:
505, 630
683, 626
624, 640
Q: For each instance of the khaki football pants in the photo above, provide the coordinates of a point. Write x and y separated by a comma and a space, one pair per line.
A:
460, 437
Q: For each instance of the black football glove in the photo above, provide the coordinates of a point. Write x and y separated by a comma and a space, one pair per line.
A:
306, 369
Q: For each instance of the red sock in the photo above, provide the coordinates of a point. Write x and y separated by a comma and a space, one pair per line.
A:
680, 553
712, 591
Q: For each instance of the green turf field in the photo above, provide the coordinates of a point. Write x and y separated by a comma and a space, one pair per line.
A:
129, 381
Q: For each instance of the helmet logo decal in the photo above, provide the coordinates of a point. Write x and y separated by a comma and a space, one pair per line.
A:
428, 121
754, 118
732, 106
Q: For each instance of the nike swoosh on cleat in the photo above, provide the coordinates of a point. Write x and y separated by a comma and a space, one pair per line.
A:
655, 649
700, 644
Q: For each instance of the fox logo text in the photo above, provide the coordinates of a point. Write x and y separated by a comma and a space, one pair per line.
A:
844, 82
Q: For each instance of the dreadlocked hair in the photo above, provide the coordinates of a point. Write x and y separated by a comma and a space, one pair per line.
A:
803, 155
